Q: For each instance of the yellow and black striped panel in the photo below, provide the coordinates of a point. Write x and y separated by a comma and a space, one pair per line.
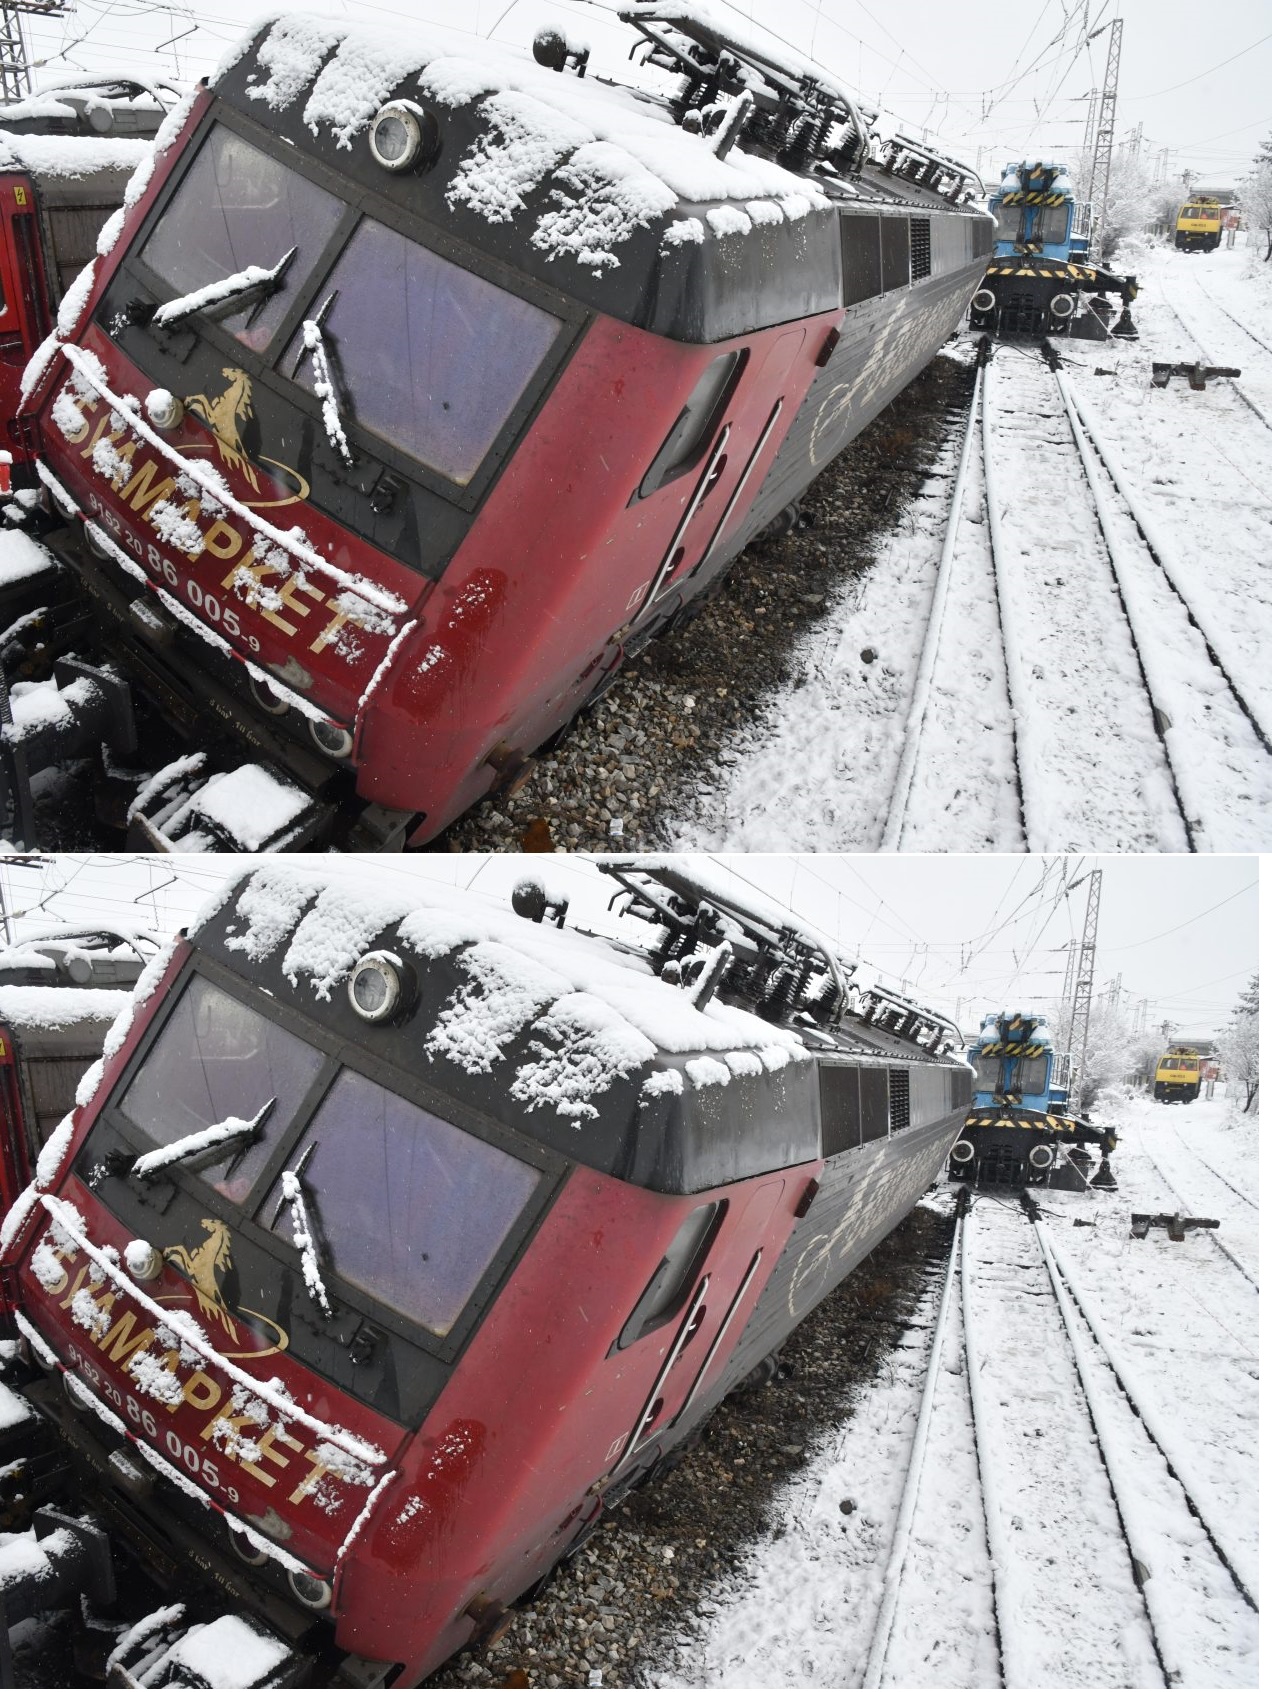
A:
1056, 270
1034, 198
1038, 1120
1012, 1048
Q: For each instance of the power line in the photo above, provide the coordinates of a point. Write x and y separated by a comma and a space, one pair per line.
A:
1201, 74
1131, 944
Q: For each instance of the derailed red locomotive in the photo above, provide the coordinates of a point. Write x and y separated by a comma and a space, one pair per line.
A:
422, 388
398, 1240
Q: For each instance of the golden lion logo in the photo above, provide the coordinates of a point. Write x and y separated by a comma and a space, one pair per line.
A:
204, 1267
225, 415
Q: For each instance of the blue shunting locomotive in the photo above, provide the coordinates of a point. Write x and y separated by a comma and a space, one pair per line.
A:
1041, 266
1023, 1129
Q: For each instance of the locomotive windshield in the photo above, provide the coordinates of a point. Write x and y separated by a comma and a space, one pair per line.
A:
411, 1208
989, 1072
1031, 1074
406, 1207
1051, 223
236, 207
216, 1060
1007, 221
424, 355
427, 356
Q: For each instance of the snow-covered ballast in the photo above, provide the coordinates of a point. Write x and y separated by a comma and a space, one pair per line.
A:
399, 1238
480, 371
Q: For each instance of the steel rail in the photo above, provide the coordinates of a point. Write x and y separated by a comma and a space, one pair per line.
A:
1198, 1158
1009, 623
1208, 358
1008, 1600
1244, 327
1244, 1578
1174, 1193
895, 821
1136, 1521
1162, 553
1155, 675
909, 1498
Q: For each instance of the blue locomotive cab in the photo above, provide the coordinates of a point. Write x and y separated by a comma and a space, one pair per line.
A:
1041, 269
1021, 1130
1021, 1066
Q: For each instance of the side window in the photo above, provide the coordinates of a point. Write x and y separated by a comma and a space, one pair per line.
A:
696, 423
670, 1283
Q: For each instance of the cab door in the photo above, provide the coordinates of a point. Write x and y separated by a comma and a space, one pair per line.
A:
745, 413
25, 316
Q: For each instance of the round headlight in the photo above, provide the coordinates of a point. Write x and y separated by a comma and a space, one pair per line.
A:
983, 300
313, 1593
403, 135
380, 986
1041, 1157
334, 740
1062, 305
963, 1151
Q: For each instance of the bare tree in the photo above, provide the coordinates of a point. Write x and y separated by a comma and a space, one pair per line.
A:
1239, 1043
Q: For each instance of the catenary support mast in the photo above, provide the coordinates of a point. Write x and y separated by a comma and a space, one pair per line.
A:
15, 68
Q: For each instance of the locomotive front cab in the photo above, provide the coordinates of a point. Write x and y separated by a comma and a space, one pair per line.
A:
1022, 1129
394, 423
1041, 266
1177, 1079
307, 1315
1199, 226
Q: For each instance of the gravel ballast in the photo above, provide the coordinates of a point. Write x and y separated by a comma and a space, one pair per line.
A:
629, 767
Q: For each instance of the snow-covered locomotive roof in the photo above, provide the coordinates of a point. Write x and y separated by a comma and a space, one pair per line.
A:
577, 179
71, 158
316, 928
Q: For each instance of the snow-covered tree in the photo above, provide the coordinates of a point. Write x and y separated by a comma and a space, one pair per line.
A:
1239, 1043
1110, 1051
1164, 203
1132, 200
1256, 200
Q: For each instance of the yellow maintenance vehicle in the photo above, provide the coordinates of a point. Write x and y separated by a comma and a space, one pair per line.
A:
1199, 225
1178, 1075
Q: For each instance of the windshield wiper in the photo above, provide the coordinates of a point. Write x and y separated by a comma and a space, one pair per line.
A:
303, 1238
230, 290
314, 344
214, 1144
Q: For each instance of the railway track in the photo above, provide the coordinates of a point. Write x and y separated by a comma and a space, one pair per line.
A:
1091, 603
1233, 318
1203, 355
1101, 1547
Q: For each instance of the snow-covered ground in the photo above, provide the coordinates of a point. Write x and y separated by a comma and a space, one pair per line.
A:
818, 768
1182, 1321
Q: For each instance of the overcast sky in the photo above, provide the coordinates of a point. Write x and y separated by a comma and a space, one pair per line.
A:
989, 79
963, 934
